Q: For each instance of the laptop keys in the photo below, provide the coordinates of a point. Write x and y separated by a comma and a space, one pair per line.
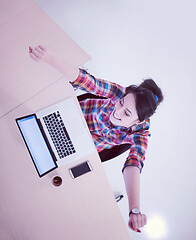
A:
59, 134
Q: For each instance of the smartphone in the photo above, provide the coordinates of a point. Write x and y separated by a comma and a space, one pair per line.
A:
80, 169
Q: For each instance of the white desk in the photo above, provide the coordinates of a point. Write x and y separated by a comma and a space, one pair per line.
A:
31, 207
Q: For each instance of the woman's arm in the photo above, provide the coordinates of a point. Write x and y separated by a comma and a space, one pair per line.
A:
40, 53
132, 183
78, 78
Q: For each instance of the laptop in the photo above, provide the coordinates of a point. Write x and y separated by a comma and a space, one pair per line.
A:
55, 136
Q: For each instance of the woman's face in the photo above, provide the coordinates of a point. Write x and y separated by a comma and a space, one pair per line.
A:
125, 113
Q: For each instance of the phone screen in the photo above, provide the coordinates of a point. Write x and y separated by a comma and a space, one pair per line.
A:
80, 169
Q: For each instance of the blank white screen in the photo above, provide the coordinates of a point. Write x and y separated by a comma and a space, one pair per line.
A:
36, 144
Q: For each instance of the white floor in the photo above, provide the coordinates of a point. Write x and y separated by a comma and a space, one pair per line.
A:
129, 41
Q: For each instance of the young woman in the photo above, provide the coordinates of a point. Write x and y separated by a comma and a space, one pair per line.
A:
123, 117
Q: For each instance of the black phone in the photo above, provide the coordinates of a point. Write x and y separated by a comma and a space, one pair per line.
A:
80, 169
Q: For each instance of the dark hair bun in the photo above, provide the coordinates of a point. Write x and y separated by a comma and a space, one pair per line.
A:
152, 86
148, 96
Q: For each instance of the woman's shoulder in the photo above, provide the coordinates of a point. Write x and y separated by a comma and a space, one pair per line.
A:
98, 86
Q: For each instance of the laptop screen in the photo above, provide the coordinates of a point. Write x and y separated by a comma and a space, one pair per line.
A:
37, 145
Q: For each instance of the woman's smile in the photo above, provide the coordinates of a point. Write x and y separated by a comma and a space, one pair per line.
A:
124, 113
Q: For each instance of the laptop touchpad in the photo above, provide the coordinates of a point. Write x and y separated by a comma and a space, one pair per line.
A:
75, 127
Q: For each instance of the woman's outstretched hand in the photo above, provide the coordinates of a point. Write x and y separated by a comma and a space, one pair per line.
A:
40, 53
137, 221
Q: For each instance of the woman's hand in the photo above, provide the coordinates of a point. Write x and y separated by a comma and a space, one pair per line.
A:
40, 53
137, 221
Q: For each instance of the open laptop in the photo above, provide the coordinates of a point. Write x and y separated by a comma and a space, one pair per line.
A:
55, 136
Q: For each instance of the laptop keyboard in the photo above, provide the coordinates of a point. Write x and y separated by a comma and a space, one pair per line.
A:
59, 134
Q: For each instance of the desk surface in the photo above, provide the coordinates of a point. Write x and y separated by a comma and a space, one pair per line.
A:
31, 207
23, 23
81, 208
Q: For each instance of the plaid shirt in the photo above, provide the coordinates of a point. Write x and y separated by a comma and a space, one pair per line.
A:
97, 113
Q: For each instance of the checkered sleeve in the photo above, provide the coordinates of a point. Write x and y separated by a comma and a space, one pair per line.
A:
136, 157
100, 87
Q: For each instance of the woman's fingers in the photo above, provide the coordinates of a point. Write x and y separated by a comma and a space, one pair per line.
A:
40, 53
34, 57
42, 47
137, 221
37, 53
39, 50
